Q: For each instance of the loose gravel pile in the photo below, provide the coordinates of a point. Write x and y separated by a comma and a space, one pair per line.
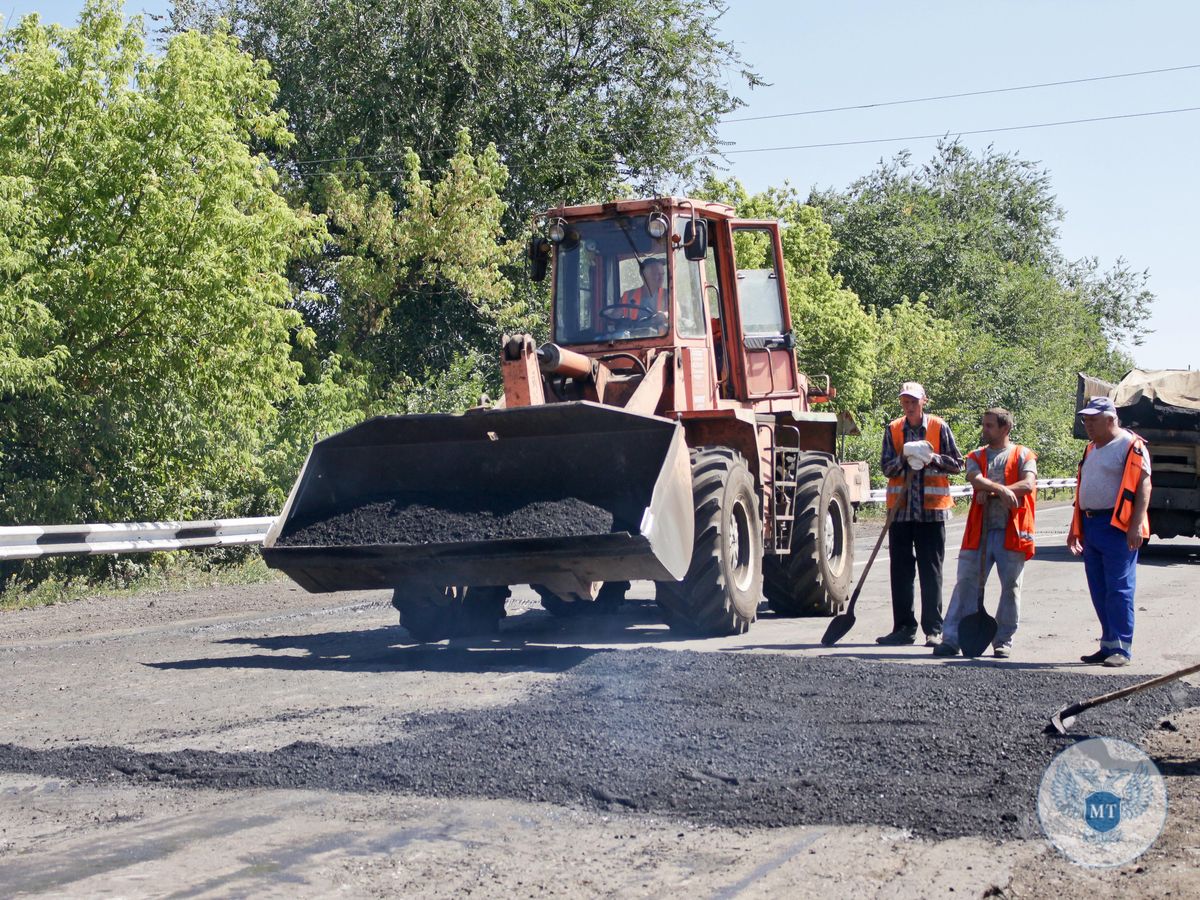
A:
734, 740
405, 521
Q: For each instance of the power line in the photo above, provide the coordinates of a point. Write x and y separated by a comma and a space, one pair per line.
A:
327, 159
913, 137
920, 137
1004, 90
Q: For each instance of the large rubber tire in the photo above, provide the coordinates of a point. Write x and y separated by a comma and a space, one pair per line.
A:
723, 586
815, 578
608, 601
435, 614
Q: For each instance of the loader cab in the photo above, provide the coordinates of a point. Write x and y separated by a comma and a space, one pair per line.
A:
613, 280
724, 309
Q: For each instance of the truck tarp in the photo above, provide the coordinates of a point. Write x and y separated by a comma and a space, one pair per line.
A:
1156, 403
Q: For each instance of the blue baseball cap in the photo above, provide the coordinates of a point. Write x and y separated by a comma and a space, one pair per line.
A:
1099, 406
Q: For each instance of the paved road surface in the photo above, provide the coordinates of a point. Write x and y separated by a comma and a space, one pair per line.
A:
244, 671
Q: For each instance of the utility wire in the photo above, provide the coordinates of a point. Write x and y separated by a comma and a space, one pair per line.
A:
812, 112
919, 137
913, 137
1004, 90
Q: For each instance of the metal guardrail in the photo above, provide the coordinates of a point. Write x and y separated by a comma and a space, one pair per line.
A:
964, 490
33, 541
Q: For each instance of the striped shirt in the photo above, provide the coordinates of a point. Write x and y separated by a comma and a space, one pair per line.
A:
948, 462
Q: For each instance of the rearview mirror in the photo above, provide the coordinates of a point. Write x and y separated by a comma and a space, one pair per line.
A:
695, 240
539, 257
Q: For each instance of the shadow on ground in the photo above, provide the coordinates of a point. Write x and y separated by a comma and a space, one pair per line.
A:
385, 650
521, 645
1169, 554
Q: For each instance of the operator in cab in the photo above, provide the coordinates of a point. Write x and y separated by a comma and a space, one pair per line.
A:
645, 305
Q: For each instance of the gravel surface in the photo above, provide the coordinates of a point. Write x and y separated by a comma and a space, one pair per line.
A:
408, 522
733, 740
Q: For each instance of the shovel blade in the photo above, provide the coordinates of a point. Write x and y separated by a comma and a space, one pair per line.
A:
975, 633
1058, 723
1065, 717
838, 628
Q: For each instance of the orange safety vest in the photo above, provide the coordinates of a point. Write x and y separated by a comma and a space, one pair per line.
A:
937, 484
1130, 479
635, 298
1018, 533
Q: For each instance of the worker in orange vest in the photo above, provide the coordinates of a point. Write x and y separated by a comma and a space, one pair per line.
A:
919, 455
1112, 496
643, 303
1000, 526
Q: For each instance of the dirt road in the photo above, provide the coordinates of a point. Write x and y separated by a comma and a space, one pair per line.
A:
260, 740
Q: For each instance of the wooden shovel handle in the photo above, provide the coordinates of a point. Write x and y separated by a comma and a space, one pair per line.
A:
1126, 691
887, 523
983, 533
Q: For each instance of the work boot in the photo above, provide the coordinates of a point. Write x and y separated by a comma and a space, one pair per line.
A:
898, 638
1094, 659
945, 648
1116, 660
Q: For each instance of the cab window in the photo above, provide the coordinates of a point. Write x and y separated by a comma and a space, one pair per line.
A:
759, 298
611, 283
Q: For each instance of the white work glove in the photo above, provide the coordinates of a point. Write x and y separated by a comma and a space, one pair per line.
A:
918, 454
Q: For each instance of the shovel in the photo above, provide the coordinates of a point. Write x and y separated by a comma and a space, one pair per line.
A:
1062, 720
978, 629
841, 625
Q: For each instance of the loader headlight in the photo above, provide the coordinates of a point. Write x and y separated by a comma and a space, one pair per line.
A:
557, 232
657, 225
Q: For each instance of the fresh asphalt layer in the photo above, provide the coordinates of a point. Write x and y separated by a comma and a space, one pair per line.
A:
731, 740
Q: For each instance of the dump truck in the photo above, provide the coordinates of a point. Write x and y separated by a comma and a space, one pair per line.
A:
1163, 406
664, 433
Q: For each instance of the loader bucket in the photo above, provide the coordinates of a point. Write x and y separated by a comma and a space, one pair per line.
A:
634, 469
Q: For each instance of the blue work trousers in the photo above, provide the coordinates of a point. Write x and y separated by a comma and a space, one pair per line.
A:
1010, 565
1112, 577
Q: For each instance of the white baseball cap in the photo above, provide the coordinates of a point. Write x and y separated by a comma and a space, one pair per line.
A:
912, 389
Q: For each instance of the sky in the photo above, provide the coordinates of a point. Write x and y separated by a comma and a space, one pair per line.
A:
1130, 187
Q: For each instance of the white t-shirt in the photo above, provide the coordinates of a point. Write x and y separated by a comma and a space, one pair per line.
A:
1102, 471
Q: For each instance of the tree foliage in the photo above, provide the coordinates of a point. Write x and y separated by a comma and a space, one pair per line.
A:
571, 101
581, 98
420, 283
145, 338
959, 259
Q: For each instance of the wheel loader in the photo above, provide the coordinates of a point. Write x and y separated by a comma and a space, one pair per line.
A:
667, 408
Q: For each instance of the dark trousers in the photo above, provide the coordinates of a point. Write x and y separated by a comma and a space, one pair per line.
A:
917, 547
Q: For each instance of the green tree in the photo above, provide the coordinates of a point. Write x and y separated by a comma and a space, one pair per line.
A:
581, 98
419, 283
145, 334
959, 260
949, 228
581, 101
